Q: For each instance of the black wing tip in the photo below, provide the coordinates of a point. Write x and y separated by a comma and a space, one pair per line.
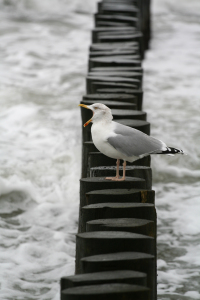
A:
171, 150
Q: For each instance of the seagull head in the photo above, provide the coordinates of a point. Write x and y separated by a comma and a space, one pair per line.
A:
100, 112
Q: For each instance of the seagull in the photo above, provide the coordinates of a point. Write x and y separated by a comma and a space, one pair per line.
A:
122, 142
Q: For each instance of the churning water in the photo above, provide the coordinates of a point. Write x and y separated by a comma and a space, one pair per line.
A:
43, 63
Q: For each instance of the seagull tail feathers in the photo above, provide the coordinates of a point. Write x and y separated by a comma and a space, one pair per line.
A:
169, 151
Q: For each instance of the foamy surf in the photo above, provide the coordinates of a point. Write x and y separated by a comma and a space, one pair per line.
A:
43, 67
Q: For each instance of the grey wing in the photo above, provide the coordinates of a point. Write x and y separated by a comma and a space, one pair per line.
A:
132, 142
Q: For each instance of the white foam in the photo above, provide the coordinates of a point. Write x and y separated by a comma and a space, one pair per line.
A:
171, 100
43, 67
42, 81
192, 294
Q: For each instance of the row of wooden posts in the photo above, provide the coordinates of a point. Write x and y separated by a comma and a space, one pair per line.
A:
116, 240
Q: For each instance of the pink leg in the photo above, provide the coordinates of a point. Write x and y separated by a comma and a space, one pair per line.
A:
124, 174
117, 172
124, 171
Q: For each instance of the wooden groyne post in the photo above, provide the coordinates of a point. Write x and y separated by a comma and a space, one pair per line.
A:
116, 240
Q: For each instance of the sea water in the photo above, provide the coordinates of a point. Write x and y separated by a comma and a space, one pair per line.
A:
43, 63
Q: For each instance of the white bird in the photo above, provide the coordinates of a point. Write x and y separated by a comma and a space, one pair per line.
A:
122, 142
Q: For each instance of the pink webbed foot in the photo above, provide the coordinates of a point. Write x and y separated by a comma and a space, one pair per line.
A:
120, 179
115, 178
112, 178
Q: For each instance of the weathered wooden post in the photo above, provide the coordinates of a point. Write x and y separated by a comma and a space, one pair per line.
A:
116, 240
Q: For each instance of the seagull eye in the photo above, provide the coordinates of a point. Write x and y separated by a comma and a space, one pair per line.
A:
95, 107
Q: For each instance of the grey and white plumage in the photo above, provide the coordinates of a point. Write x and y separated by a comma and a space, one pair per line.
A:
122, 142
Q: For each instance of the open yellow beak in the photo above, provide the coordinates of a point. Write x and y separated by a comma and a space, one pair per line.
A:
85, 106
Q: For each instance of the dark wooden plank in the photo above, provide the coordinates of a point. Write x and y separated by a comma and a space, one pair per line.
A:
121, 276
131, 171
109, 210
114, 291
104, 242
140, 226
120, 196
141, 262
